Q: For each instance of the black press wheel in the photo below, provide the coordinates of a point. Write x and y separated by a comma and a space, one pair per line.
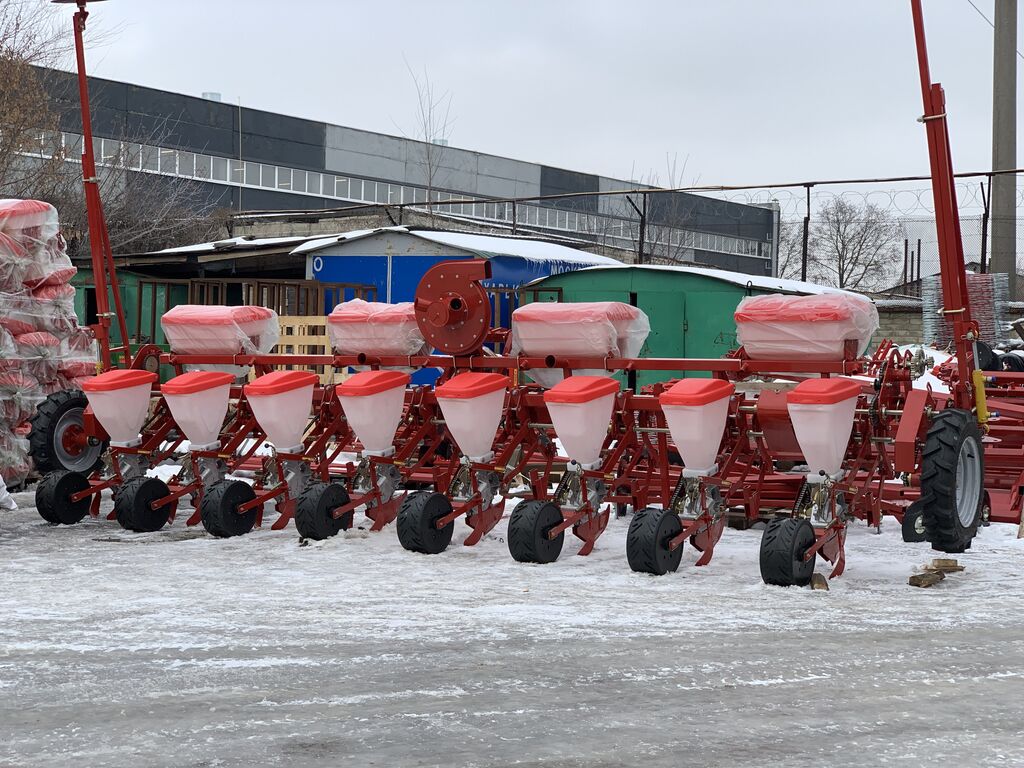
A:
219, 508
913, 524
952, 481
53, 497
417, 518
133, 504
314, 508
650, 532
57, 440
528, 529
783, 546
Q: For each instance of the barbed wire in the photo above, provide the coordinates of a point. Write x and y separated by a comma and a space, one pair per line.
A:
900, 201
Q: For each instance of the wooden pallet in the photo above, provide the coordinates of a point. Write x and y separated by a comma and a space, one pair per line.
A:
306, 335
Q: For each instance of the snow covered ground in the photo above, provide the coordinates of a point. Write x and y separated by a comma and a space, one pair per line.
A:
177, 649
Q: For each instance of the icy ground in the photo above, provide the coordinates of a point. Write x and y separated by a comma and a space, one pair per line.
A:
176, 649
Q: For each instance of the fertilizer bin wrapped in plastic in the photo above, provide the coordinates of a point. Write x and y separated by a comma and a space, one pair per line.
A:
193, 329
805, 327
582, 329
375, 329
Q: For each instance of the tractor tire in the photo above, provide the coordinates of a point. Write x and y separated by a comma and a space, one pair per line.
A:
647, 540
132, 505
313, 518
952, 481
53, 497
783, 545
417, 516
528, 528
913, 524
55, 417
219, 508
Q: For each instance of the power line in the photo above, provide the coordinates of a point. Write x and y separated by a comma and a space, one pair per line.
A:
986, 18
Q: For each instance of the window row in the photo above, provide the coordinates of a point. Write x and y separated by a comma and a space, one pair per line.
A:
181, 163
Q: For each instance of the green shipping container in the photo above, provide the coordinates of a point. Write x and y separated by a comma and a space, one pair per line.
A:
690, 309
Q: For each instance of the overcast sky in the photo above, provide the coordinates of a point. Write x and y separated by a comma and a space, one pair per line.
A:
745, 91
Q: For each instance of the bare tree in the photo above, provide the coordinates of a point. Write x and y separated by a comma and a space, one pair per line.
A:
790, 246
665, 239
433, 127
29, 38
855, 247
144, 211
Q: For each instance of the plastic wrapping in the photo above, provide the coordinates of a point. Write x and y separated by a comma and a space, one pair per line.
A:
15, 464
193, 329
581, 329
375, 328
805, 327
33, 250
42, 348
40, 353
20, 394
8, 351
78, 355
53, 311
6, 500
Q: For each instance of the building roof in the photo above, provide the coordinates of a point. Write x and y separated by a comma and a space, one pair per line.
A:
760, 282
484, 246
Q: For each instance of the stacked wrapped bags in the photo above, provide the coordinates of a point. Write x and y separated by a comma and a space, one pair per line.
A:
42, 348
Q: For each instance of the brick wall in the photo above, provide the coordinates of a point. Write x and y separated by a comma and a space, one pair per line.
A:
903, 324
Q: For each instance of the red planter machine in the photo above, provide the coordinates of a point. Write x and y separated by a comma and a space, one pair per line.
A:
797, 427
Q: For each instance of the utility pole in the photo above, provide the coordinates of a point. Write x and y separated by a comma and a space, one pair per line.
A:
1004, 143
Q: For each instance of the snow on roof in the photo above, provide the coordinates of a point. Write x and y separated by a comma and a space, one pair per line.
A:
486, 246
761, 282
231, 244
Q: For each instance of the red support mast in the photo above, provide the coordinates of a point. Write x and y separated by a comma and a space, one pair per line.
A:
104, 274
955, 299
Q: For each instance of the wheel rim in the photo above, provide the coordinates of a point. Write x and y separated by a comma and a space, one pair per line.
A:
919, 525
968, 481
70, 444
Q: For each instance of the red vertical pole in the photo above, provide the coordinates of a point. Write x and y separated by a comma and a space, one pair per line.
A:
103, 271
956, 303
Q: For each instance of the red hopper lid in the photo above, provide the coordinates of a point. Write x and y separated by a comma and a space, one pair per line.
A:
824, 391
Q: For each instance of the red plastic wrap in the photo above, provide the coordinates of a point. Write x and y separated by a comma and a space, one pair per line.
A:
375, 328
580, 329
805, 327
31, 246
215, 330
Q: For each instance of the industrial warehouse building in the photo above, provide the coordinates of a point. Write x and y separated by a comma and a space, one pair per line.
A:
251, 160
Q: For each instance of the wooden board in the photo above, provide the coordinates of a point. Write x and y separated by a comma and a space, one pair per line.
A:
307, 335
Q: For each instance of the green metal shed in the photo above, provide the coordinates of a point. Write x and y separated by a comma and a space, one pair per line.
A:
690, 308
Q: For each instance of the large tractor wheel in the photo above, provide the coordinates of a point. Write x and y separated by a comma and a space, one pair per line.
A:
219, 508
952, 481
58, 439
647, 540
133, 504
783, 546
314, 508
53, 497
417, 522
528, 529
